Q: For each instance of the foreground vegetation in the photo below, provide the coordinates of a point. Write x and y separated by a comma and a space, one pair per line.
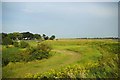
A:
24, 52
77, 58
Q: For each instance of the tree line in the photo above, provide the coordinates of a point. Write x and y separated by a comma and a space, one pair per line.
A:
8, 38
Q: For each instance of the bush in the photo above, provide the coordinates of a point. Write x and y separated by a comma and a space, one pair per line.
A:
44, 47
37, 53
33, 53
16, 44
41, 51
5, 61
7, 41
29, 54
23, 44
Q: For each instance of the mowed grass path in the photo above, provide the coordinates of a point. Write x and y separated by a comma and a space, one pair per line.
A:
65, 52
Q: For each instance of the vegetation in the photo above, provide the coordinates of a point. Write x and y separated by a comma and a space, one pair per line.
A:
7, 41
21, 36
16, 44
71, 58
27, 54
45, 37
23, 44
52, 37
104, 66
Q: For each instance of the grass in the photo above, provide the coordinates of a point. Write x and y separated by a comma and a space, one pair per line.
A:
65, 52
55, 62
10, 51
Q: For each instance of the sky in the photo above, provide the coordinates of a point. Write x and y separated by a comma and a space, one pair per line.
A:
63, 19
59, 0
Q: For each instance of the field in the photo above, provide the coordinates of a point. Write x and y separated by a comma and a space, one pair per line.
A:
71, 58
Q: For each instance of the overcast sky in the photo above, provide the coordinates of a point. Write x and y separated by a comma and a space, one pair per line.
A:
63, 19
59, 0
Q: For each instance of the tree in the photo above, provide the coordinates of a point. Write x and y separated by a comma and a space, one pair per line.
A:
4, 35
11, 36
52, 37
45, 37
37, 36
17, 35
27, 35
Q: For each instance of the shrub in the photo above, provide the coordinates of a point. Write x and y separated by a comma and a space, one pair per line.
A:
29, 54
25, 56
33, 53
41, 51
5, 61
16, 44
44, 47
7, 41
23, 44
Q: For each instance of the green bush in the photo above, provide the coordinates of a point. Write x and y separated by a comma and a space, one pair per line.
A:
44, 47
16, 44
5, 61
33, 53
23, 44
41, 51
7, 41
29, 54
